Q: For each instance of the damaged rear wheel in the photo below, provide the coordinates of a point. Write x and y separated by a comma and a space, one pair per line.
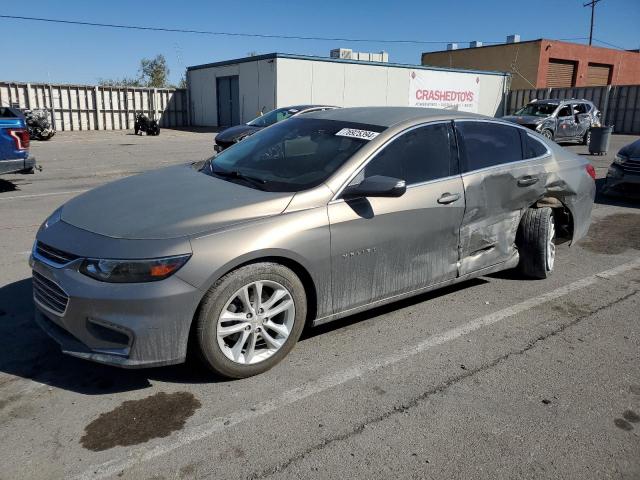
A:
536, 243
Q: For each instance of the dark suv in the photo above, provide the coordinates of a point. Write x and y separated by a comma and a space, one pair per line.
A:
567, 120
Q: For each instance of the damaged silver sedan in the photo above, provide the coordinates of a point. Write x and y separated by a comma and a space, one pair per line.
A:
307, 221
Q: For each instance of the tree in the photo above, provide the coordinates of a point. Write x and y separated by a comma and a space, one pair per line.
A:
154, 72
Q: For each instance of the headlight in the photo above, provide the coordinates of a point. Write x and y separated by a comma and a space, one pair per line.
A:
620, 159
132, 271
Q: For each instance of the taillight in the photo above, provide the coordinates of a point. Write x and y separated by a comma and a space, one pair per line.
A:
591, 171
20, 137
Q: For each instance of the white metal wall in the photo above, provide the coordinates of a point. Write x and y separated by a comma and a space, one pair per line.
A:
257, 84
354, 85
87, 107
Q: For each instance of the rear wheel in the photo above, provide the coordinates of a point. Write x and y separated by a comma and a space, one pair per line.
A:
536, 243
547, 133
251, 319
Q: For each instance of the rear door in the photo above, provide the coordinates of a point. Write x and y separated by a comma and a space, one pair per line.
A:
583, 118
386, 246
503, 174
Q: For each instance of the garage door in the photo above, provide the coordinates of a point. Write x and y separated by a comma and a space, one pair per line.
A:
598, 74
561, 73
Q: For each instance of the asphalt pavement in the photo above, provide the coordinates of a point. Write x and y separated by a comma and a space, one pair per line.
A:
496, 377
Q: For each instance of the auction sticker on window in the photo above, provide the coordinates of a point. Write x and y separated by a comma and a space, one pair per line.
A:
355, 133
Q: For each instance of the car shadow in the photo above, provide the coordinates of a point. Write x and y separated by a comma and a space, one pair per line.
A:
29, 353
7, 186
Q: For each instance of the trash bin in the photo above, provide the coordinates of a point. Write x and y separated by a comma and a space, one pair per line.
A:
600, 139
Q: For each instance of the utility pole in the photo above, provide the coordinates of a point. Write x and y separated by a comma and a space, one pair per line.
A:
591, 4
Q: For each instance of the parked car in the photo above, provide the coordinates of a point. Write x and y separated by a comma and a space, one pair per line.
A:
624, 173
559, 120
14, 143
232, 135
308, 221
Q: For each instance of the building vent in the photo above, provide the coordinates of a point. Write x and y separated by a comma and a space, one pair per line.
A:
515, 38
452, 46
348, 54
344, 53
475, 44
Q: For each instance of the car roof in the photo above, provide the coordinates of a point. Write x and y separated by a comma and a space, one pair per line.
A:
388, 116
558, 101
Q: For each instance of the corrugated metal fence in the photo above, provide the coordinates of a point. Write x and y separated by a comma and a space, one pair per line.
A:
620, 105
86, 107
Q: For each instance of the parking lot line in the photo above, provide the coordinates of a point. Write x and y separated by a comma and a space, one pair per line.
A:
43, 194
216, 425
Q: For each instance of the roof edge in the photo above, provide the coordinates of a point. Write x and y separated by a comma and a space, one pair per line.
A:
270, 56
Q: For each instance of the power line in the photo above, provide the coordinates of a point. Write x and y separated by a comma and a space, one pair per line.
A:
230, 34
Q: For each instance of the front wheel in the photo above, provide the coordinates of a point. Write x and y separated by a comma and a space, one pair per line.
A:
250, 319
536, 243
547, 133
587, 137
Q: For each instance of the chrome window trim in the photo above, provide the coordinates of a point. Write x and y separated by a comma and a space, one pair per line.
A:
514, 162
380, 148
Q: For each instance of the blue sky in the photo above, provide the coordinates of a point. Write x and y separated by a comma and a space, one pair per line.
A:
80, 54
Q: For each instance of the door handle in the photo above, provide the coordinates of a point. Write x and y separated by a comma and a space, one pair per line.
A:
527, 180
447, 198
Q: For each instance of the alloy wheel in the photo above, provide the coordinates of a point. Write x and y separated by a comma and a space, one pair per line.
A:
255, 322
551, 246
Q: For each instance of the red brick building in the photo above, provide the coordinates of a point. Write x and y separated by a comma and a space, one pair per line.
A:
545, 63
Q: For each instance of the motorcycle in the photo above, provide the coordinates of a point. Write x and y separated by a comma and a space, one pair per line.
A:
39, 124
145, 124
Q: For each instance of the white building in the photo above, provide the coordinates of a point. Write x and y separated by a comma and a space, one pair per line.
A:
236, 91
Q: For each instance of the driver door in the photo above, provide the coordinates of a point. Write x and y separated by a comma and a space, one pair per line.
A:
382, 247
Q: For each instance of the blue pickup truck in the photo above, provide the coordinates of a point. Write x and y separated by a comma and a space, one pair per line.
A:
14, 143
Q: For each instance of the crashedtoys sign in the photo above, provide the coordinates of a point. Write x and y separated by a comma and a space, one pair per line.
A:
448, 90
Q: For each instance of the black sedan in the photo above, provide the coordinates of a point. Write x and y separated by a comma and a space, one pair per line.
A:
624, 173
232, 135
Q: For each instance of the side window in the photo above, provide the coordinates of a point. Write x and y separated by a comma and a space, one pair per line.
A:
486, 144
422, 154
532, 146
565, 111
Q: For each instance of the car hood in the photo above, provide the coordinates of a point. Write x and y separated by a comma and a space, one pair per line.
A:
232, 134
169, 203
631, 151
524, 119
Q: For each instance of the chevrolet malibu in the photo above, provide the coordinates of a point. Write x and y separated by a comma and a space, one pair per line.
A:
305, 222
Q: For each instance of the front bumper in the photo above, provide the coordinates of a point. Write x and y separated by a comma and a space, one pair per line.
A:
126, 325
619, 179
17, 165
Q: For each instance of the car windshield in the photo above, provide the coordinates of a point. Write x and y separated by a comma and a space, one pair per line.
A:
274, 116
538, 109
291, 156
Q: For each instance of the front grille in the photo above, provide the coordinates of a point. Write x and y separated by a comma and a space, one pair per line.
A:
631, 166
54, 255
49, 295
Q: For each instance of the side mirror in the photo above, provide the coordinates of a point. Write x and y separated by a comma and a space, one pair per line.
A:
376, 186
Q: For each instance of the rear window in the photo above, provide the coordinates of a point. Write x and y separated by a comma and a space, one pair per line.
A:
532, 146
486, 144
